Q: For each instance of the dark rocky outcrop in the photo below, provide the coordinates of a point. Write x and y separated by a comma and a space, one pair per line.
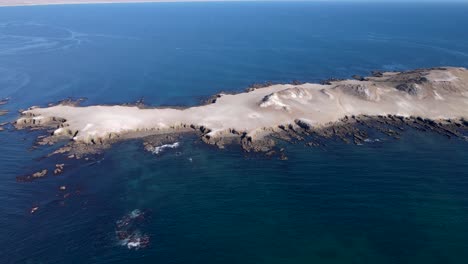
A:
410, 88
358, 77
32, 177
377, 74
330, 81
59, 168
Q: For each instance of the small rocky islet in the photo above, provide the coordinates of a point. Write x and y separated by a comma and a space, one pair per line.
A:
433, 100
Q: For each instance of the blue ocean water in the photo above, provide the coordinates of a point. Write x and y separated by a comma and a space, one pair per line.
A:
397, 201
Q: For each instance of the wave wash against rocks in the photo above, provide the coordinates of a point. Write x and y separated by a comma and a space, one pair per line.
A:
252, 117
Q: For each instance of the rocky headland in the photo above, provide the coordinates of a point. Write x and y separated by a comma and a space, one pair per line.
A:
425, 99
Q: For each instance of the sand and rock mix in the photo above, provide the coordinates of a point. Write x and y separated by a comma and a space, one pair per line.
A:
432, 97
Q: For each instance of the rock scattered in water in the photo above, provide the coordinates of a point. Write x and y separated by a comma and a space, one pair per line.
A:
4, 101
40, 174
2, 125
34, 209
58, 168
128, 230
283, 156
32, 177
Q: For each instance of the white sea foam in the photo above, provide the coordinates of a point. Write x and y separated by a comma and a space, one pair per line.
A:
135, 244
135, 213
128, 230
159, 149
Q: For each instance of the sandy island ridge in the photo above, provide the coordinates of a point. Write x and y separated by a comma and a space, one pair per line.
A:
253, 116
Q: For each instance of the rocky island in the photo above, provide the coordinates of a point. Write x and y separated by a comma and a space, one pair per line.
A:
434, 99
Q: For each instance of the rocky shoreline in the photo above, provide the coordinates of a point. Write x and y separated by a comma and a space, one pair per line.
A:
433, 100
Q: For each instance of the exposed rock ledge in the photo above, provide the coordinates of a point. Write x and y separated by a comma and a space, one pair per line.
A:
257, 115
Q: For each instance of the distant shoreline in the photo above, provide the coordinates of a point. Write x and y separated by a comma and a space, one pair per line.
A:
11, 3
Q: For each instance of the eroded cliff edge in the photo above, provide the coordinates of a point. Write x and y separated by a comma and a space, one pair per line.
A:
435, 99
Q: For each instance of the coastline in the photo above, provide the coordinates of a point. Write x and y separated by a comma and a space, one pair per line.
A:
257, 118
386, 182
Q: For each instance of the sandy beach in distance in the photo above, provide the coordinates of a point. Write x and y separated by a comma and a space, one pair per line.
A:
64, 2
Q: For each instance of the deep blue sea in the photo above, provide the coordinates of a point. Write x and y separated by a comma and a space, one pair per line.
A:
393, 201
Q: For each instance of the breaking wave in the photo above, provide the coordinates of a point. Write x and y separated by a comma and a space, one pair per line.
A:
128, 230
159, 149
368, 140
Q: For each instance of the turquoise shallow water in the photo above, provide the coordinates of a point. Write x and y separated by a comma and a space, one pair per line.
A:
397, 201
